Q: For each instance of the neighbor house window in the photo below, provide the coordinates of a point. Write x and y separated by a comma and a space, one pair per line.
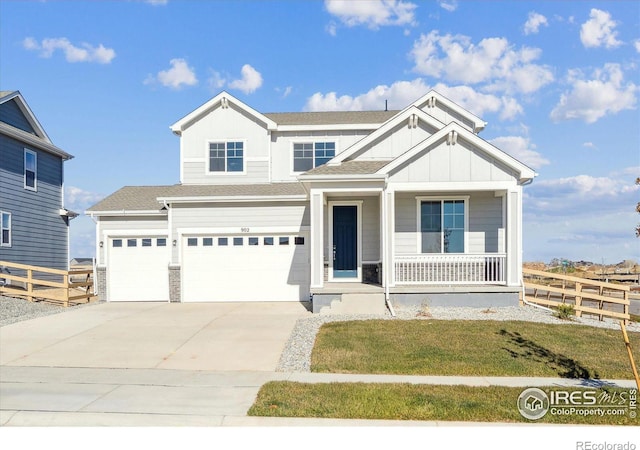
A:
226, 156
308, 155
5, 222
30, 169
442, 225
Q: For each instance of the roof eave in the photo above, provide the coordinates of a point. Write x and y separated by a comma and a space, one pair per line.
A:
233, 198
34, 141
126, 212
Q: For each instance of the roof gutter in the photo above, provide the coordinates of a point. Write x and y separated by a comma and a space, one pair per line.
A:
233, 199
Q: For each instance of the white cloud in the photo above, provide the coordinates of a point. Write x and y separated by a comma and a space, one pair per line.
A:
402, 93
636, 44
493, 61
521, 149
534, 22
78, 199
372, 13
449, 5
157, 2
599, 30
591, 99
178, 76
250, 81
72, 53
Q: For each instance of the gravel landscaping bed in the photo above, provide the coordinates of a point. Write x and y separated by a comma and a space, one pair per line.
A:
14, 310
296, 356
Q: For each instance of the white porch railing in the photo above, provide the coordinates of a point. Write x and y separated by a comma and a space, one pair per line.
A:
489, 268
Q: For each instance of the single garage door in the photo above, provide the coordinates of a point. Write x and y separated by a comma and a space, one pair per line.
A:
245, 268
137, 269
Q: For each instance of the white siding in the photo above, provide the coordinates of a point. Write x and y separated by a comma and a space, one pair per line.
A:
396, 142
460, 162
282, 148
224, 124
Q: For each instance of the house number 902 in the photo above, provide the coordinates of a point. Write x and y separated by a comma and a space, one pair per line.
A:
245, 229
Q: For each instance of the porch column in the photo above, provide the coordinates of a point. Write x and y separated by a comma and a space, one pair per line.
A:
514, 236
317, 257
388, 230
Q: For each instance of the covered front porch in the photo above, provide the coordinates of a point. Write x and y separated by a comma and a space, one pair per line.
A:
418, 243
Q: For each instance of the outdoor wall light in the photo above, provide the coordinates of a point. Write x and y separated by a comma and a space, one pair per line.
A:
101, 244
175, 242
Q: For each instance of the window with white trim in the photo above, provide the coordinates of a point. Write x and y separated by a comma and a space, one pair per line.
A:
307, 155
443, 225
226, 156
5, 227
30, 169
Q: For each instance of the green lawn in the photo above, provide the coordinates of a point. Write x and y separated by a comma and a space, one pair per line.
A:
407, 402
472, 348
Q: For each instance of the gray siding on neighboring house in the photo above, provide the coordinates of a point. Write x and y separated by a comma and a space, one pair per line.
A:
10, 113
39, 235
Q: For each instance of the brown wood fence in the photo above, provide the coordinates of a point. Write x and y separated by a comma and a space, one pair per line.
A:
586, 296
53, 285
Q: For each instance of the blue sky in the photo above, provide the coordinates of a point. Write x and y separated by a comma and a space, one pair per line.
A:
558, 83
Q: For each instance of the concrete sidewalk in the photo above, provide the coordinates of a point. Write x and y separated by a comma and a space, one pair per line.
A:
47, 396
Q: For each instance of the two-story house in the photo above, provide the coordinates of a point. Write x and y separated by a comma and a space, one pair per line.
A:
35, 224
409, 206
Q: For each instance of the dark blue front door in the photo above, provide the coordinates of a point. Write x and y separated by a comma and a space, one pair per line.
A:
345, 241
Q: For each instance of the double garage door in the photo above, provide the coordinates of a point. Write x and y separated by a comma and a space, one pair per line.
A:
272, 267
214, 268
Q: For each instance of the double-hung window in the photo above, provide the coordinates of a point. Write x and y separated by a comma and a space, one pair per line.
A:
307, 155
226, 156
5, 228
30, 169
442, 225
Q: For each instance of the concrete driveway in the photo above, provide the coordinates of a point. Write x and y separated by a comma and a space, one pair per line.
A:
205, 336
140, 364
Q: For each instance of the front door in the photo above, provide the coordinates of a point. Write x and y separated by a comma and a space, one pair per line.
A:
345, 241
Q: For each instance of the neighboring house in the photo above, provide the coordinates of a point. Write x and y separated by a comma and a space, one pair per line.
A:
411, 206
35, 224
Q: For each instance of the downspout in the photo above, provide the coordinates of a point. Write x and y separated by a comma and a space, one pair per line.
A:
385, 245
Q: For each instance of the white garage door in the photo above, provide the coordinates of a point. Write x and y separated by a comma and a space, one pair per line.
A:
137, 269
245, 268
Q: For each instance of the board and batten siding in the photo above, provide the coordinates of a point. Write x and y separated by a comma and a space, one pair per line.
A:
452, 163
224, 124
396, 142
212, 217
11, 114
485, 221
39, 235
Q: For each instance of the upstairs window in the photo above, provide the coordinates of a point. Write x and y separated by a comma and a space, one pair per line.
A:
5, 235
443, 226
226, 156
30, 169
308, 155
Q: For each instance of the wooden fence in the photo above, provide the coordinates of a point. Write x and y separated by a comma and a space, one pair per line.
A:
53, 285
586, 296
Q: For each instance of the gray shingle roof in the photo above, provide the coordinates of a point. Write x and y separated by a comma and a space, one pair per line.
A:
331, 117
145, 198
349, 168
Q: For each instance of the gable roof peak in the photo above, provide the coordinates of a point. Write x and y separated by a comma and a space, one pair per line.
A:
433, 97
221, 100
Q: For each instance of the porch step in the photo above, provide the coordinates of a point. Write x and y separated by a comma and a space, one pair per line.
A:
370, 303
